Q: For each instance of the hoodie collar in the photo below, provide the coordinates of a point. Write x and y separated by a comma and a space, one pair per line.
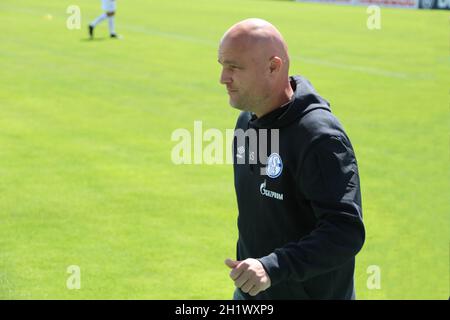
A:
305, 99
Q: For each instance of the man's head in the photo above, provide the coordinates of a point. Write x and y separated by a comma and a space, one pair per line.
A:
255, 64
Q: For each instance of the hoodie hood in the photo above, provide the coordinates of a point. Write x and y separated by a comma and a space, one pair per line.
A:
305, 100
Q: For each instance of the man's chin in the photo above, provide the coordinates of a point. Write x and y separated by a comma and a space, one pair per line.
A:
236, 105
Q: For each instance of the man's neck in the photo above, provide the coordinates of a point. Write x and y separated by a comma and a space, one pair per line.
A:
285, 97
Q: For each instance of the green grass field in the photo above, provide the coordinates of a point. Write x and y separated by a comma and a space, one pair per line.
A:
86, 176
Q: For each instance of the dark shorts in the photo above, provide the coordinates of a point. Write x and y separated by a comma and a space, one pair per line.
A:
237, 295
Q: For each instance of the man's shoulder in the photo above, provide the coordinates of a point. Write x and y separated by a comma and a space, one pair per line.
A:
316, 125
319, 122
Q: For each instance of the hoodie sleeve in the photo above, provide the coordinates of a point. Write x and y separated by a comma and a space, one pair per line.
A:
329, 181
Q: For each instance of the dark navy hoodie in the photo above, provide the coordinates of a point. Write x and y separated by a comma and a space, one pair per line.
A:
303, 222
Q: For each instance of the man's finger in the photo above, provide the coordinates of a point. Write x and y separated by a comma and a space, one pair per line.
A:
236, 273
246, 287
243, 278
231, 263
254, 291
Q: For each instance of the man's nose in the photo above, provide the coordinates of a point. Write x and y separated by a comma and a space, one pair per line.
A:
225, 77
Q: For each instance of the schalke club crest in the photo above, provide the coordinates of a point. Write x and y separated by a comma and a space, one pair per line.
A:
274, 166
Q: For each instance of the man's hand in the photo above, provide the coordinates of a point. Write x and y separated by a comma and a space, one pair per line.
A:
249, 275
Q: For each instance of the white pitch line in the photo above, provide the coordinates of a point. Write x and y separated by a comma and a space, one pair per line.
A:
343, 66
171, 35
314, 61
210, 43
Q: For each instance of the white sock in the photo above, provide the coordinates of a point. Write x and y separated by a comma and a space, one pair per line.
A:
99, 19
111, 25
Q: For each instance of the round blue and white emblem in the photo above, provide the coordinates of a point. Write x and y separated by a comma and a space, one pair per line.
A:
274, 166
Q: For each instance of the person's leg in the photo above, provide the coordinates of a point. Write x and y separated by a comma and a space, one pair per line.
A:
112, 29
94, 23
99, 19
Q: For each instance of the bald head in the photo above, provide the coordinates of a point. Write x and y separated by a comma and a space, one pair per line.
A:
260, 37
255, 64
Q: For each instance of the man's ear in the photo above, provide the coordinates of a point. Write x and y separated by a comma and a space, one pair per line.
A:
275, 64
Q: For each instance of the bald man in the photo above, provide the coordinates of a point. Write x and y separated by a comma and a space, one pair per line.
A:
300, 217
